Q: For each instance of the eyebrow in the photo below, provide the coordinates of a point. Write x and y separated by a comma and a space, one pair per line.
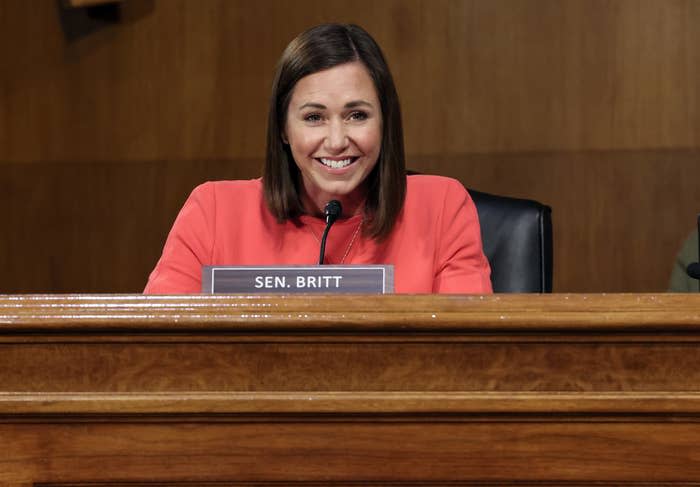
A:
350, 104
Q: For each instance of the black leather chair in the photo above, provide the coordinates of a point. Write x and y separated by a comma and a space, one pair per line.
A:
517, 238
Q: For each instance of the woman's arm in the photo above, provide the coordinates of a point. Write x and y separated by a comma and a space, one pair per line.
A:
188, 246
462, 266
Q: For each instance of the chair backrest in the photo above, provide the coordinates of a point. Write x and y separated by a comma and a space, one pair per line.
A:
517, 239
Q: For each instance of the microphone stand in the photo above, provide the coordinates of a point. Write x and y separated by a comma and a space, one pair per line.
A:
333, 210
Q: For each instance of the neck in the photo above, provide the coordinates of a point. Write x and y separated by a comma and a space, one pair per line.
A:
352, 204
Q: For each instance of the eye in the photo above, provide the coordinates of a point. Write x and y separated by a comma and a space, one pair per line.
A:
359, 115
312, 117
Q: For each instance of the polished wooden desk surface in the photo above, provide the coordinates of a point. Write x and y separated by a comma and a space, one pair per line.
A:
350, 390
356, 312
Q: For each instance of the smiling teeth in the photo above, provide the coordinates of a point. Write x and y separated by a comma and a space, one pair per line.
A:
336, 164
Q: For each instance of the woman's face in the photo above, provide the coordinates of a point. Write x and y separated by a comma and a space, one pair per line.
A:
334, 129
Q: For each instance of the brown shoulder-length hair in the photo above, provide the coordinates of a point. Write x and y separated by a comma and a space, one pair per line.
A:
319, 48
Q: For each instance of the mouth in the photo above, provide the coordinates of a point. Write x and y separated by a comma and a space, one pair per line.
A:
336, 163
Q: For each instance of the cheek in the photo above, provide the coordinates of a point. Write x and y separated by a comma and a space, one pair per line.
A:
372, 140
302, 142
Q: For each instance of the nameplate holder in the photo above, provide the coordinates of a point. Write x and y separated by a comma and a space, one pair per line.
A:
326, 279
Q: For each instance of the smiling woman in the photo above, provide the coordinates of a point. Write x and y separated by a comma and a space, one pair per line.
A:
333, 128
334, 133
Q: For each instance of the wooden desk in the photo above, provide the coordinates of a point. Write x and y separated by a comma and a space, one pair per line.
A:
355, 390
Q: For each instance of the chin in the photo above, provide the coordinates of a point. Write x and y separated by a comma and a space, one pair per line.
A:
338, 190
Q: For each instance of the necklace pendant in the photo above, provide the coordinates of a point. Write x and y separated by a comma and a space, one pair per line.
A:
347, 250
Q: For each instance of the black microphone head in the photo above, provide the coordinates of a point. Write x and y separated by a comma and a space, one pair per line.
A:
333, 210
693, 270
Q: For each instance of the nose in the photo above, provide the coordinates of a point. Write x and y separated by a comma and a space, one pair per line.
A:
337, 138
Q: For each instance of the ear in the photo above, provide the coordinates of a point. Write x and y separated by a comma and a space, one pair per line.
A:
283, 136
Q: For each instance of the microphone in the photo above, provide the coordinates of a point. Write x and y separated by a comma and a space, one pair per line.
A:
693, 269
333, 210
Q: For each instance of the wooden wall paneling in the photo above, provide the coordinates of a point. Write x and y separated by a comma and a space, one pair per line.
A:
76, 227
619, 217
186, 85
192, 80
562, 76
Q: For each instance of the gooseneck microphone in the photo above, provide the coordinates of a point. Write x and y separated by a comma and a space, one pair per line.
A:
333, 210
693, 269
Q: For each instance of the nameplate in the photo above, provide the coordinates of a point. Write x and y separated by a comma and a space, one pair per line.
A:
326, 279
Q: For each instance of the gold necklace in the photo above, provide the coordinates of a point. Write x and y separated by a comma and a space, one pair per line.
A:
352, 240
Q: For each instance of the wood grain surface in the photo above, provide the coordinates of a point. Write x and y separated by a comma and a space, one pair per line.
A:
514, 390
190, 80
336, 390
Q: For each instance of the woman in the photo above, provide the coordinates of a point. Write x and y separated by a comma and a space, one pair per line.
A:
334, 132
